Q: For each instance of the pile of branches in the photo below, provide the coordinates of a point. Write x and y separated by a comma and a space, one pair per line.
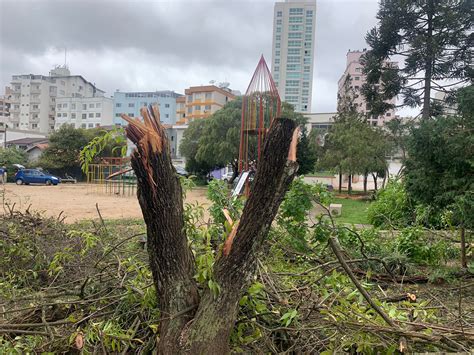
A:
67, 290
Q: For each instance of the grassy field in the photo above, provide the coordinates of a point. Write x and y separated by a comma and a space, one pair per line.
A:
353, 211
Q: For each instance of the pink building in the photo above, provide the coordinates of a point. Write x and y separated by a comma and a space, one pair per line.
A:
351, 83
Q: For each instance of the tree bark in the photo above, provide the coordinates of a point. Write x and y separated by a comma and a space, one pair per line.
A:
428, 62
160, 197
374, 176
349, 185
365, 182
463, 248
340, 181
214, 320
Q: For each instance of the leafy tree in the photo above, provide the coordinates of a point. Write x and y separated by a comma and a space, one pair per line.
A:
9, 156
354, 147
434, 38
63, 153
440, 165
214, 142
306, 154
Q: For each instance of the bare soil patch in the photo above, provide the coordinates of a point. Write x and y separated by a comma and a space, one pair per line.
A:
78, 201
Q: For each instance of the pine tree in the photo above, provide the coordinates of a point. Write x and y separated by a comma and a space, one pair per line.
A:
435, 39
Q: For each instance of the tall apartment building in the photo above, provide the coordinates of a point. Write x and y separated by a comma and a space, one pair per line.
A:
5, 101
130, 103
33, 99
293, 51
203, 101
350, 85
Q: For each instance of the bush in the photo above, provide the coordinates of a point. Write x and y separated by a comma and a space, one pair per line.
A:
392, 208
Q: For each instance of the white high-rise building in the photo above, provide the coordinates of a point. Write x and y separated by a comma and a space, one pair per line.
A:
33, 97
293, 51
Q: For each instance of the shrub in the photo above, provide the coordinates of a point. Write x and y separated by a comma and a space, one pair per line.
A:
392, 207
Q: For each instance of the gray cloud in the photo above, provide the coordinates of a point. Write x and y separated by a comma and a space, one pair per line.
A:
148, 45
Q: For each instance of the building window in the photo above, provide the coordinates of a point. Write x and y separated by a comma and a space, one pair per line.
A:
294, 51
296, 20
388, 114
296, 11
293, 59
84, 106
277, 68
309, 29
97, 114
293, 75
91, 105
190, 98
97, 105
63, 82
130, 114
305, 92
295, 28
62, 92
118, 104
279, 22
73, 115
167, 115
278, 37
58, 114
35, 107
309, 13
207, 107
307, 61
278, 30
277, 45
357, 78
277, 60
277, 53
294, 43
358, 70
131, 104
64, 114
91, 115
84, 116
307, 69
117, 115
197, 107
294, 91
167, 105
208, 95
293, 67
308, 37
34, 125
292, 83
279, 14
294, 35
190, 110
73, 106
83, 125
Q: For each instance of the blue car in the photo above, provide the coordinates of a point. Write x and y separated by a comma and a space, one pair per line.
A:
33, 176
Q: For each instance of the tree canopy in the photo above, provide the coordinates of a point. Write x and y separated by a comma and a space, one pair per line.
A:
214, 142
435, 40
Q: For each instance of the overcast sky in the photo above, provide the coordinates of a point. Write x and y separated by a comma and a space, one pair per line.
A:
136, 45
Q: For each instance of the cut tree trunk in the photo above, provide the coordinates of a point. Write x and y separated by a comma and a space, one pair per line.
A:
210, 331
191, 324
160, 197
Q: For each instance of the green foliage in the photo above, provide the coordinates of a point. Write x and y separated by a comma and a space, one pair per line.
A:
294, 209
11, 156
219, 194
440, 170
434, 40
392, 207
66, 151
106, 143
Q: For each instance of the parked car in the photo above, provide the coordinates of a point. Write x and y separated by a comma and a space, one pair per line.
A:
181, 171
34, 176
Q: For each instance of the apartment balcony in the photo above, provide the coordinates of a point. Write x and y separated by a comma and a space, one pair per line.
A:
35, 91
14, 110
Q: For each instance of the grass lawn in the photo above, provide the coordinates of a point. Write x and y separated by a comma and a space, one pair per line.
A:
353, 211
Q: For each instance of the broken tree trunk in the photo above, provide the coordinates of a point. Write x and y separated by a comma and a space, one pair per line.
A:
160, 197
211, 328
207, 330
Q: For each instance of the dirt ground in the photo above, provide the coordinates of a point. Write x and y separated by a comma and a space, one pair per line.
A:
78, 201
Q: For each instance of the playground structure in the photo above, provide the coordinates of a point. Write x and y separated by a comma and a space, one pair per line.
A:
261, 104
112, 176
